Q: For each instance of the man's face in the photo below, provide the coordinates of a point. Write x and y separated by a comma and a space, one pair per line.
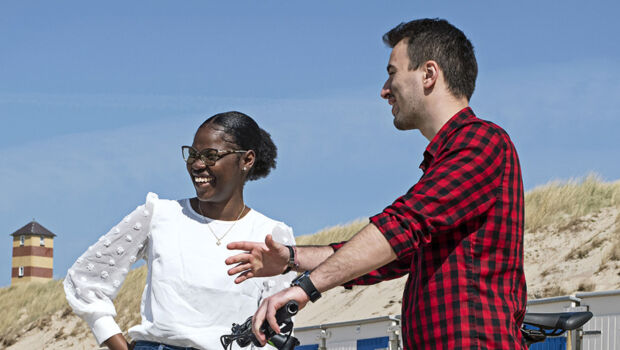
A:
403, 89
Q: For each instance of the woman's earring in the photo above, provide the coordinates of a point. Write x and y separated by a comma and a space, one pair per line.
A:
245, 169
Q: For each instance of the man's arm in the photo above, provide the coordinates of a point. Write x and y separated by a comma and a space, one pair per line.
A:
312, 256
365, 252
271, 258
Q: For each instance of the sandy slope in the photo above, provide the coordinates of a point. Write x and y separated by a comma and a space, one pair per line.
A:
62, 330
563, 260
559, 261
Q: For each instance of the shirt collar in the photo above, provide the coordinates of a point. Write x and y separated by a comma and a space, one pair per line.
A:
452, 124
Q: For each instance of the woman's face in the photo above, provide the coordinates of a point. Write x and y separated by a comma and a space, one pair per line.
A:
219, 182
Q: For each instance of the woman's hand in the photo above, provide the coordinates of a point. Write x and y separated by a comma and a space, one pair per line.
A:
118, 342
258, 260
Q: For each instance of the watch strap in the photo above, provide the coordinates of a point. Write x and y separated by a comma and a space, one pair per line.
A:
292, 259
304, 282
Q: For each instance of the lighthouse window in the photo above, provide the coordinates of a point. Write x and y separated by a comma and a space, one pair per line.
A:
42, 241
22, 240
21, 271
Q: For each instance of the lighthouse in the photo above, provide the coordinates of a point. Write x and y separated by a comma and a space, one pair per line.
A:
33, 254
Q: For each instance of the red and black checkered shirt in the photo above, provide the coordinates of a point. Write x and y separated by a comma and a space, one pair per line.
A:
458, 233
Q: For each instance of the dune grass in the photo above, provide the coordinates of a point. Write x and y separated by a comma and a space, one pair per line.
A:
128, 300
23, 304
560, 202
336, 233
35, 302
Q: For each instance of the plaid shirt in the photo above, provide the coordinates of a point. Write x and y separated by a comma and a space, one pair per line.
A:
458, 233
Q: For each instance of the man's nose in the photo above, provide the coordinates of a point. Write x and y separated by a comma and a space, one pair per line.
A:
385, 90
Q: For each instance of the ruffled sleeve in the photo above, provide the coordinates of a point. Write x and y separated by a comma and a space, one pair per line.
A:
96, 277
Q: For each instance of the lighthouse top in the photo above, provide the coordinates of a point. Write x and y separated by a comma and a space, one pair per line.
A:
33, 228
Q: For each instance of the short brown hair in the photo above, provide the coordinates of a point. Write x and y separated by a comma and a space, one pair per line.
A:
438, 40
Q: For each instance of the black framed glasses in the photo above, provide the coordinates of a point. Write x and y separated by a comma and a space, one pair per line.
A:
208, 155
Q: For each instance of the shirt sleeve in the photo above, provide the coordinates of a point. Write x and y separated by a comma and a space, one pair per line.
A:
461, 184
96, 277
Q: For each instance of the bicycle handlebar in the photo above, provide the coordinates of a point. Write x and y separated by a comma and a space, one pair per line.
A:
243, 335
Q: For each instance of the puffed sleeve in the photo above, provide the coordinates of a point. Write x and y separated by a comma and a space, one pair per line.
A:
271, 285
96, 277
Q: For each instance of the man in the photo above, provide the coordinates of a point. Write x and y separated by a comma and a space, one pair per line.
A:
458, 232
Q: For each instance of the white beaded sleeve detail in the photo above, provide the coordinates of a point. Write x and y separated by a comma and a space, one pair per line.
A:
96, 277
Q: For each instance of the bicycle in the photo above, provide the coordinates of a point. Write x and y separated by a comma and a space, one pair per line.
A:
538, 326
535, 329
242, 333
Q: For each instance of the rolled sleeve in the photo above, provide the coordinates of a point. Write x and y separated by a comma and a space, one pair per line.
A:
460, 185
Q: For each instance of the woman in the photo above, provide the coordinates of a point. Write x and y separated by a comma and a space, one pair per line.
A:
189, 300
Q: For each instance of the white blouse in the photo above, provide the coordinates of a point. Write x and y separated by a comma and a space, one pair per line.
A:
189, 299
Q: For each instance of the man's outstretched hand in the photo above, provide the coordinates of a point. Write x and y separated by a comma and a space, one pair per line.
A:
269, 306
258, 260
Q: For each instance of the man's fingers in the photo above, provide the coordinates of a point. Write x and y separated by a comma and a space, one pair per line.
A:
244, 276
241, 245
243, 266
243, 257
269, 242
271, 317
257, 321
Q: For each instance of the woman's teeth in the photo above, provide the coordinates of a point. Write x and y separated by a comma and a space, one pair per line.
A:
204, 179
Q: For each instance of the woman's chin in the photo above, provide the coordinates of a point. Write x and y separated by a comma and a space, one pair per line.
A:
204, 193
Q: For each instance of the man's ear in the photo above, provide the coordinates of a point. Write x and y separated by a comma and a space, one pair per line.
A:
431, 74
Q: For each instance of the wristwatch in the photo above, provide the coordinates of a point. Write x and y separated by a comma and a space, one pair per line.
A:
306, 284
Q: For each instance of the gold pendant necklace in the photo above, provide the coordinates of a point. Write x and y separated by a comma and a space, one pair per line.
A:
219, 239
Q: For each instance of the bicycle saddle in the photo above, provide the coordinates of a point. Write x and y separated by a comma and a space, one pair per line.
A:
563, 320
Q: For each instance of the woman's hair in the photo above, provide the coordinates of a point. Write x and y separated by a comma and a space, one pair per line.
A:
245, 133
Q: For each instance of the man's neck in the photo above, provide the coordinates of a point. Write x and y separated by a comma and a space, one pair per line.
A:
439, 113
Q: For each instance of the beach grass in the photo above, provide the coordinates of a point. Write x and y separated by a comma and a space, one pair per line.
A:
562, 202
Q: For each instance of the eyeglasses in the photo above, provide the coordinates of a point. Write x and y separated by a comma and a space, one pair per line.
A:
208, 155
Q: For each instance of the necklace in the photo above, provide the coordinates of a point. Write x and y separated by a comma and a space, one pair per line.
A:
219, 239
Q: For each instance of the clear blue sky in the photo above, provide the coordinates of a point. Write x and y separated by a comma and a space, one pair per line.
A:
97, 98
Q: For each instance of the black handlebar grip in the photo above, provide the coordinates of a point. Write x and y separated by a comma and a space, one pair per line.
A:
283, 315
283, 342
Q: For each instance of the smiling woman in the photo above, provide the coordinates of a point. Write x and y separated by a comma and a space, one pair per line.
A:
189, 300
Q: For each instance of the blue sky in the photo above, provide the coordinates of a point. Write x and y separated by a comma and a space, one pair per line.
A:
97, 98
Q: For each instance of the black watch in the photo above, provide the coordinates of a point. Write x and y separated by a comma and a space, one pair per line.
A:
306, 284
